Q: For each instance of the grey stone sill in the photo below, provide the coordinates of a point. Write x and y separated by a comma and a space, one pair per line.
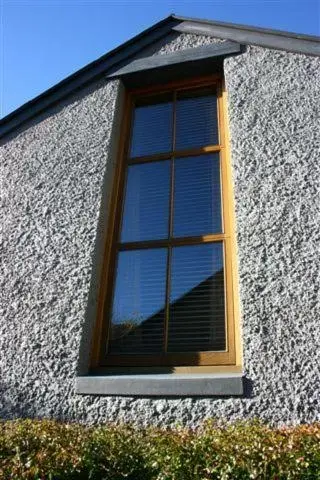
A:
222, 384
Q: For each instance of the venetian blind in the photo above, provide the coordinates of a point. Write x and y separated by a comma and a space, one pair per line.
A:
169, 292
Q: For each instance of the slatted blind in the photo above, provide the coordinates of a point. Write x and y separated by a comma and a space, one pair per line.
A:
169, 293
196, 119
152, 129
146, 204
197, 299
139, 302
197, 196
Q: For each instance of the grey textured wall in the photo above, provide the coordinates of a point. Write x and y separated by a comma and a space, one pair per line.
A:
53, 177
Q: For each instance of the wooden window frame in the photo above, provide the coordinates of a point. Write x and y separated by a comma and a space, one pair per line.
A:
99, 358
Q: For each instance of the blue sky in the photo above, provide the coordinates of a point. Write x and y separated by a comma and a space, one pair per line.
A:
43, 41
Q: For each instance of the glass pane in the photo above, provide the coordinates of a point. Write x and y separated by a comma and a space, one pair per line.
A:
139, 302
197, 197
152, 129
146, 207
197, 318
197, 121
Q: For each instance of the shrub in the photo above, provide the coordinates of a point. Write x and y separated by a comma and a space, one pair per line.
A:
43, 449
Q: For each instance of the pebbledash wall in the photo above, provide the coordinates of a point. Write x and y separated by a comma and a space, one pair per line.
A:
56, 178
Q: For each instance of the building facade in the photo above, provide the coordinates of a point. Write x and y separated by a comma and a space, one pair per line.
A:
59, 160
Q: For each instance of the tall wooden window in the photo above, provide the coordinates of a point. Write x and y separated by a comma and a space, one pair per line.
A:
167, 295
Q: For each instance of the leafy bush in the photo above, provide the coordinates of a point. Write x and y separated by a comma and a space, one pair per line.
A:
43, 449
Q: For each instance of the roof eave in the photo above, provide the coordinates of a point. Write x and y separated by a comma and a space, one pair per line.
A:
239, 26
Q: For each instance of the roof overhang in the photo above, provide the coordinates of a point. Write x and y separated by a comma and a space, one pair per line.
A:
184, 56
181, 65
290, 42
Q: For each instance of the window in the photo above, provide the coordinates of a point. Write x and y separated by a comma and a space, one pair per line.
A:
167, 290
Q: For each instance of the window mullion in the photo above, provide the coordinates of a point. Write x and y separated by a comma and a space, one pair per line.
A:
169, 254
168, 279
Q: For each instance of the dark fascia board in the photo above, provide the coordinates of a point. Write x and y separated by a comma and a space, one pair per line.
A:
87, 74
239, 26
184, 56
290, 42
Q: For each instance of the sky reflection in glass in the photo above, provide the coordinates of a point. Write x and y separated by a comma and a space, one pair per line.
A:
196, 316
197, 196
197, 122
152, 130
195, 288
146, 207
139, 295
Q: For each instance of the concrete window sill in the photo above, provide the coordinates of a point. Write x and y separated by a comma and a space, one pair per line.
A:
224, 384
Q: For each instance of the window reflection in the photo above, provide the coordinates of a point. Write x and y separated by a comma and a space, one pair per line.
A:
173, 293
139, 301
196, 318
197, 121
197, 197
152, 130
146, 207
196, 314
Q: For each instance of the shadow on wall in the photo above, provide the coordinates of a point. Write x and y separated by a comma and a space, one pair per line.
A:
15, 403
247, 388
97, 260
29, 402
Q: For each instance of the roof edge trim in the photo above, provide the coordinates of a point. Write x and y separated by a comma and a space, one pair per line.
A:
184, 56
250, 36
239, 26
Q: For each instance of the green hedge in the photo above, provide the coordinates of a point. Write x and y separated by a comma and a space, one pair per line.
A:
35, 449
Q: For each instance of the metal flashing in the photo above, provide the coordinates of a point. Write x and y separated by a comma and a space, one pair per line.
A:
250, 36
239, 26
189, 55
